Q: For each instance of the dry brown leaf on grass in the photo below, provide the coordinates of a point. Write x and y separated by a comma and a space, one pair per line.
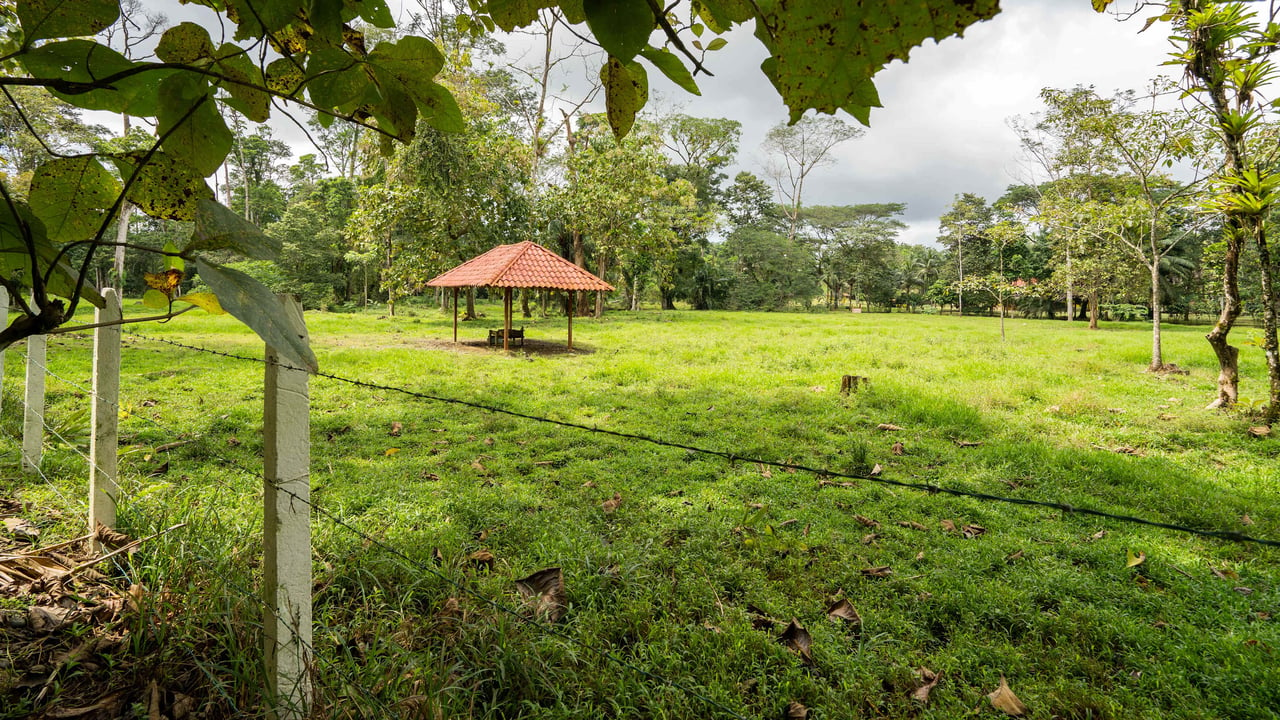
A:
760, 619
544, 590
798, 640
899, 449
870, 538
866, 521
109, 537
1097, 536
588, 484
888, 427
912, 524
612, 504
878, 571
21, 528
1014, 556
876, 470
844, 610
482, 558
796, 711
966, 443
1003, 699
1246, 520
929, 679
396, 429
972, 531
1260, 431
765, 472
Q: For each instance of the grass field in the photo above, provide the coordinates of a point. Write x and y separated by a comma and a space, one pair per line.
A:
701, 566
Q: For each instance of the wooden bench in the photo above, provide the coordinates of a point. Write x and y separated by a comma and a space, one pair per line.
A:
495, 336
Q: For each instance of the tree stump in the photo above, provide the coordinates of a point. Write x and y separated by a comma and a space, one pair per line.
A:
850, 383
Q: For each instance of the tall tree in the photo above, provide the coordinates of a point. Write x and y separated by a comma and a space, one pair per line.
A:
795, 151
966, 222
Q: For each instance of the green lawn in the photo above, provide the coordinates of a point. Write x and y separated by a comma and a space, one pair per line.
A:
675, 581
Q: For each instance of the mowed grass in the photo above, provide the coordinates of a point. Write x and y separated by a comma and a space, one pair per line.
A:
675, 580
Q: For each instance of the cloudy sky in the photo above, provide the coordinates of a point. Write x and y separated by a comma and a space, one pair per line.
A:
943, 129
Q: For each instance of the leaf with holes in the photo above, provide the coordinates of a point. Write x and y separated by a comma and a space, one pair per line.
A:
843, 610
166, 282
184, 43
1134, 560
626, 90
72, 196
165, 186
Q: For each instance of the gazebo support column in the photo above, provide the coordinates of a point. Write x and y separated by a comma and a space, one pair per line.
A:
506, 319
455, 315
571, 319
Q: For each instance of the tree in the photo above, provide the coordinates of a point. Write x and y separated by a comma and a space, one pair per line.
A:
321, 60
795, 151
1144, 142
966, 221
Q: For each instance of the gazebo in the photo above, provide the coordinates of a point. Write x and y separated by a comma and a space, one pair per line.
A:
522, 265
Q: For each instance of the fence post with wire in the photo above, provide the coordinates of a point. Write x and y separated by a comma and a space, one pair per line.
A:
104, 442
33, 408
4, 322
287, 527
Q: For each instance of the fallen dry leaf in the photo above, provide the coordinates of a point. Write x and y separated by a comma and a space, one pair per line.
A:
866, 521
842, 609
912, 524
1132, 560
930, 679
1003, 699
1126, 450
109, 537
545, 591
899, 449
876, 470
1243, 590
1097, 536
482, 558
966, 443
919, 556
760, 619
948, 526
973, 531
1246, 520
396, 428
612, 504
22, 528
890, 427
877, 571
796, 711
1260, 430
798, 640
1225, 573
588, 484
765, 472
1014, 556
870, 538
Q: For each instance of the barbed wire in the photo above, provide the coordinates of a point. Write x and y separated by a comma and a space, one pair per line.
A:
418, 565
931, 488
204, 553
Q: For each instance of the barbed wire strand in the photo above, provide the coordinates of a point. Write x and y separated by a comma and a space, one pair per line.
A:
930, 488
203, 551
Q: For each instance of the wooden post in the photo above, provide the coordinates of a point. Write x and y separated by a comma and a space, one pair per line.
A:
455, 314
287, 530
506, 319
4, 322
33, 411
570, 320
104, 443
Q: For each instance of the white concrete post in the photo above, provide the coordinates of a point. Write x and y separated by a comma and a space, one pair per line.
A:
33, 412
4, 322
287, 526
104, 443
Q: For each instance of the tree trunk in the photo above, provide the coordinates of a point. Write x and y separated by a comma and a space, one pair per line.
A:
1093, 310
525, 312
602, 265
1270, 307
471, 304
1157, 356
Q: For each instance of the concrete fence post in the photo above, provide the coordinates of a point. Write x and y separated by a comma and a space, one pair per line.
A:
4, 322
287, 526
33, 409
104, 443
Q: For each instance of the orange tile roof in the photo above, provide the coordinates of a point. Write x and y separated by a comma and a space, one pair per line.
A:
522, 265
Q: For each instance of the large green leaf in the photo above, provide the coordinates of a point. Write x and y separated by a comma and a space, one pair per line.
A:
243, 80
335, 78
623, 27
670, 65
376, 13
88, 62
256, 306
166, 186
199, 134
72, 196
43, 19
218, 228
511, 14
184, 43
626, 90
824, 54
15, 256
408, 66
